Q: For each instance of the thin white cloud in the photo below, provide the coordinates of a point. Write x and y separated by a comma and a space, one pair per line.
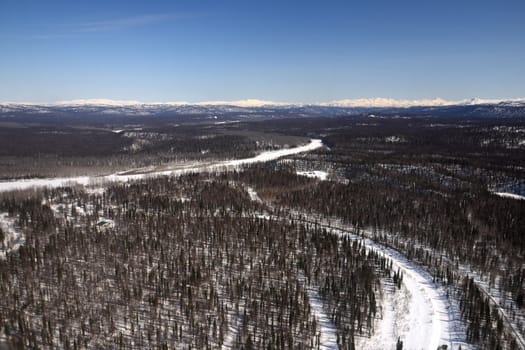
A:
74, 30
122, 23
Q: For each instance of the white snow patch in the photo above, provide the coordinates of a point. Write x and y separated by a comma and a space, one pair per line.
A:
394, 320
327, 332
13, 238
509, 195
45, 182
395, 139
94, 190
318, 174
253, 194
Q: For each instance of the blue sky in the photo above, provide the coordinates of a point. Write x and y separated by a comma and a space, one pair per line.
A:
295, 51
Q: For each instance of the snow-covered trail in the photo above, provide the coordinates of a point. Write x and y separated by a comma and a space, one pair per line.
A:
428, 318
136, 174
509, 195
427, 321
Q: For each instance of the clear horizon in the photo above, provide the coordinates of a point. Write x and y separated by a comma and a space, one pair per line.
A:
294, 51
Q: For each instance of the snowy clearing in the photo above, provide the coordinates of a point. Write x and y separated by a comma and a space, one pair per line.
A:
253, 194
317, 174
13, 238
393, 321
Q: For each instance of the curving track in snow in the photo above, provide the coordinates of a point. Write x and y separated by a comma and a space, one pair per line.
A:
425, 322
430, 320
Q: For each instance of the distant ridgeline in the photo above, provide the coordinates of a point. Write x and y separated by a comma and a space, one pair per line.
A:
510, 109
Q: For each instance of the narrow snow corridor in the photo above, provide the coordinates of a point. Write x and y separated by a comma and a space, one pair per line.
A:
327, 337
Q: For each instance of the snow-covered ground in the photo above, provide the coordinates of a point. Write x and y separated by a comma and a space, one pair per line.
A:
45, 182
136, 175
504, 303
235, 321
319, 174
509, 195
393, 322
327, 331
428, 310
428, 319
13, 238
254, 196
432, 319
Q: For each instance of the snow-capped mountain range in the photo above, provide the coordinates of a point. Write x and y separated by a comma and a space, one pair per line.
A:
436, 102
376, 102
437, 106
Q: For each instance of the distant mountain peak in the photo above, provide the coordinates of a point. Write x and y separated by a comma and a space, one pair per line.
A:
98, 102
387, 102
